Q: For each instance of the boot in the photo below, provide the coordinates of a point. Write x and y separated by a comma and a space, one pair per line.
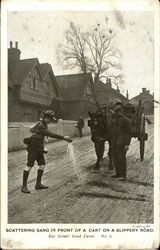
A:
24, 188
96, 167
39, 177
110, 166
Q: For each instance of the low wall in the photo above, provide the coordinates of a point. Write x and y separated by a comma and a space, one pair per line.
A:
18, 131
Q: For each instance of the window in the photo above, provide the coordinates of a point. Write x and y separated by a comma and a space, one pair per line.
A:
34, 84
31, 83
34, 79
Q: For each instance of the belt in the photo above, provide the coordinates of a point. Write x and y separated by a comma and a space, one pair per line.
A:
37, 139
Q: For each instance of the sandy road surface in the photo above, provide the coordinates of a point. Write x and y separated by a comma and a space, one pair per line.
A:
99, 199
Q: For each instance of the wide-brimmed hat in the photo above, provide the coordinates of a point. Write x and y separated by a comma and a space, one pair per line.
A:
50, 113
117, 105
117, 102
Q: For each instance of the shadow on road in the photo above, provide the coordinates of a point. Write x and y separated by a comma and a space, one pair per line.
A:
140, 183
105, 185
100, 195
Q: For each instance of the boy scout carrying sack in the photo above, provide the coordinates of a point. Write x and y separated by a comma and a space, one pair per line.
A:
35, 149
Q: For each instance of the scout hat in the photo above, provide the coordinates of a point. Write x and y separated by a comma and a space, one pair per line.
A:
50, 113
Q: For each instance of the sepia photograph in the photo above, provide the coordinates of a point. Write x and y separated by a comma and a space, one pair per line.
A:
82, 103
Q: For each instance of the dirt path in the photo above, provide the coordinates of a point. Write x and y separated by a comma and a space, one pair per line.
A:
100, 199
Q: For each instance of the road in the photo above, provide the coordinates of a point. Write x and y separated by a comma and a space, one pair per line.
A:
97, 198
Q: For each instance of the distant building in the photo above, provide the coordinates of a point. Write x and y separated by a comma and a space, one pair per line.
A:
32, 87
105, 94
146, 99
77, 93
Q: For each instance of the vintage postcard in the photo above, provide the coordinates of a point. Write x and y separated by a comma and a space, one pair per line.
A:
80, 106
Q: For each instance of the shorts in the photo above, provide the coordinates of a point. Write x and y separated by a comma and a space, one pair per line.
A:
35, 153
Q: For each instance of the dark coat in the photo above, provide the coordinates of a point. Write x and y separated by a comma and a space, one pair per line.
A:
121, 133
39, 131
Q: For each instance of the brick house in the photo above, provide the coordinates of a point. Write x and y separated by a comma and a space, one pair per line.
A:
78, 95
105, 94
32, 87
147, 101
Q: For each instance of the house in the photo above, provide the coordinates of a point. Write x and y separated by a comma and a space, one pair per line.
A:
32, 87
146, 99
105, 94
78, 95
49, 76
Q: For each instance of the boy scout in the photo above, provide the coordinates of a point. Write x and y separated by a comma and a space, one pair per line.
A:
35, 149
120, 140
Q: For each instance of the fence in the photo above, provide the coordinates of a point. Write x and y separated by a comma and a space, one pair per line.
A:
18, 131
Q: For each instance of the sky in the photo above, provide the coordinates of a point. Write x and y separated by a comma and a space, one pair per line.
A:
39, 32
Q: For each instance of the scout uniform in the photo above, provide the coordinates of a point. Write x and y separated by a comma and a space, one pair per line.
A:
35, 149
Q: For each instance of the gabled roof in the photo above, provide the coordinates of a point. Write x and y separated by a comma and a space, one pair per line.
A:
46, 68
22, 69
102, 87
72, 86
141, 96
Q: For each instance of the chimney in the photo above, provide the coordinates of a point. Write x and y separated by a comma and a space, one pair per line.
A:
14, 53
108, 82
143, 90
13, 56
118, 90
16, 44
127, 95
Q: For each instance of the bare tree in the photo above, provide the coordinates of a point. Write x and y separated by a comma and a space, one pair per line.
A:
104, 56
72, 54
92, 51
